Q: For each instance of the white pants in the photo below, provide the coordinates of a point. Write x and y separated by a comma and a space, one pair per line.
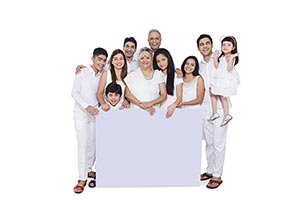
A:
215, 138
85, 128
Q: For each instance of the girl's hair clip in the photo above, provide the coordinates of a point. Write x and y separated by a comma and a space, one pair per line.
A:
221, 38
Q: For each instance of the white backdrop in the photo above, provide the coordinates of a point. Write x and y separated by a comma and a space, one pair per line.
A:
41, 42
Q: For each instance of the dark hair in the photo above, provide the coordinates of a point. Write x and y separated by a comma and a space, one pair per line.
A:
232, 40
196, 70
204, 36
112, 68
113, 87
130, 39
170, 68
99, 51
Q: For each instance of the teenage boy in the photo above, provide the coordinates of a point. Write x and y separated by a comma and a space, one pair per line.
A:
86, 108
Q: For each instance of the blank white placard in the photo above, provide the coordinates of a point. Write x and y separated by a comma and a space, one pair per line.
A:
136, 149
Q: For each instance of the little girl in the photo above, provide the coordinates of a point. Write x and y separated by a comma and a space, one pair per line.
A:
225, 78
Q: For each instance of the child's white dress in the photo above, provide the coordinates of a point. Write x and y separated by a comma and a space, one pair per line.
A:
223, 82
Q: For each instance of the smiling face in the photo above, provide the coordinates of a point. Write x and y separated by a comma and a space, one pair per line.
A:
118, 61
205, 47
113, 98
162, 62
227, 47
129, 49
145, 60
99, 62
154, 40
189, 66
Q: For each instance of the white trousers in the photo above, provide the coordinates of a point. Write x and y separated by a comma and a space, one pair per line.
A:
215, 138
85, 128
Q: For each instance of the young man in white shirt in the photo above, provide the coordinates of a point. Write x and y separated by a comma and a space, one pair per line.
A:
129, 49
86, 108
214, 134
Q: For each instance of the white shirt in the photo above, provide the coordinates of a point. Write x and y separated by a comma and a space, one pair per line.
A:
144, 89
85, 89
133, 65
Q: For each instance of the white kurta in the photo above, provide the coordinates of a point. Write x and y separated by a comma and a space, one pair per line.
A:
214, 135
84, 93
144, 89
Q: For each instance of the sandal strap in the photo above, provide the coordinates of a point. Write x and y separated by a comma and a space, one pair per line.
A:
215, 181
206, 176
79, 187
93, 174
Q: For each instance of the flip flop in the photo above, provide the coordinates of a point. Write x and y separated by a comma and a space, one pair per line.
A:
205, 176
218, 183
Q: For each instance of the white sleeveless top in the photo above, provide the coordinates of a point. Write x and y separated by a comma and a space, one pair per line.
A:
189, 92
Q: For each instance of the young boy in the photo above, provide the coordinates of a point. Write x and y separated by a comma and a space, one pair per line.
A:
86, 108
113, 93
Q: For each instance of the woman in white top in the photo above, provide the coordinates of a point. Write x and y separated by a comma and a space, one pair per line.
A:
116, 73
145, 87
163, 61
193, 84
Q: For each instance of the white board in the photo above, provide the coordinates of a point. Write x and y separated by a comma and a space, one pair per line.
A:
136, 149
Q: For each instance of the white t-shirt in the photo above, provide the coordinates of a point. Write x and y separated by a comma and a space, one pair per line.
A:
144, 89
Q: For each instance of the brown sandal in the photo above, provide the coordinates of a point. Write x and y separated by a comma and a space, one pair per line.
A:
79, 188
92, 174
92, 182
205, 176
217, 182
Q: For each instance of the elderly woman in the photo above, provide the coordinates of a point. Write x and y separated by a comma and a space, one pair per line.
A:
145, 87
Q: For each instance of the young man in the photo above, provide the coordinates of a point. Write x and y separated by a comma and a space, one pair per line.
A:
113, 93
214, 134
129, 49
86, 108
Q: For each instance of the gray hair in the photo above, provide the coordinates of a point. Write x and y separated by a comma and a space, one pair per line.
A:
145, 49
154, 30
